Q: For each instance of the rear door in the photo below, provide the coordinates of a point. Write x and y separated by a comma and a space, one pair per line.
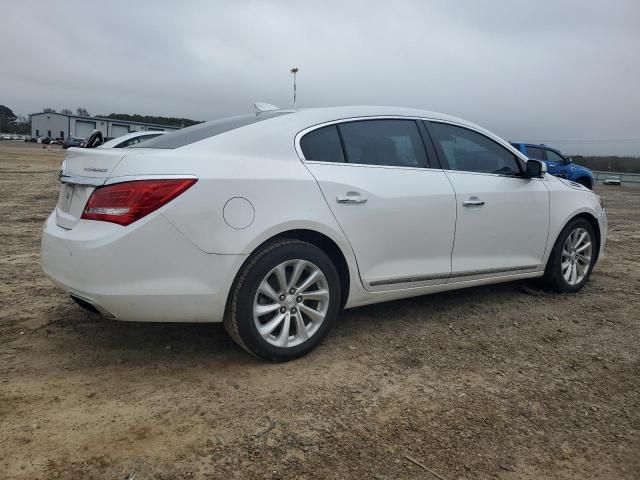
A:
502, 217
395, 207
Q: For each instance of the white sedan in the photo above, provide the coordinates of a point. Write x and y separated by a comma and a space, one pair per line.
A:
273, 222
131, 139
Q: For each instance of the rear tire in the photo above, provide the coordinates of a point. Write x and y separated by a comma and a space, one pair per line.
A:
284, 301
572, 258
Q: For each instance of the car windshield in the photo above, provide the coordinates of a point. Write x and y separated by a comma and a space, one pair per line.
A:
195, 133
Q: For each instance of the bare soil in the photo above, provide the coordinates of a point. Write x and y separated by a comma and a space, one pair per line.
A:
502, 382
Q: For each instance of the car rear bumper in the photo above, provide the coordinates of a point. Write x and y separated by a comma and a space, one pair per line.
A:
147, 271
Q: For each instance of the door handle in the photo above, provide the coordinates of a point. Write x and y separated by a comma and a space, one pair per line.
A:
473, 202
351, 197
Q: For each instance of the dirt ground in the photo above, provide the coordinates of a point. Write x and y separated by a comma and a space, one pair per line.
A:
493, 382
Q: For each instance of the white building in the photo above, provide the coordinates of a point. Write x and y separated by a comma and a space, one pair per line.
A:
60, 125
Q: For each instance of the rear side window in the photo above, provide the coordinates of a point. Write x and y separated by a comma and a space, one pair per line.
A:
195, 133
470, 151
394, 143
535, 152
322, 145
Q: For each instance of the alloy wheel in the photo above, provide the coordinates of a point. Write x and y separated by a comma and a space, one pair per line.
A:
576, 256
291, 303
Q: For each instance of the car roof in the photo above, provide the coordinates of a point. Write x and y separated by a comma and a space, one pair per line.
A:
273, 136
327, 114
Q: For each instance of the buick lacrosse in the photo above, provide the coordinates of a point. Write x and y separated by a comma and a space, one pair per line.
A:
274, 222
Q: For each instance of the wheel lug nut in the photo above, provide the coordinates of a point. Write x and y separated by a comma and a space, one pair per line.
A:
283, 310
292, 291
294, 310
282, 297
299, 299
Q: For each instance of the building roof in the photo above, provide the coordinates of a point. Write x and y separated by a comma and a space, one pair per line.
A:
103, 119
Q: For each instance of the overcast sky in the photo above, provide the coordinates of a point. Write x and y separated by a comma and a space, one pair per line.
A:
541, 71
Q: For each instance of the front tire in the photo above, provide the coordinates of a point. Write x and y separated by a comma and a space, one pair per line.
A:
284, 301
586, 182
572, 258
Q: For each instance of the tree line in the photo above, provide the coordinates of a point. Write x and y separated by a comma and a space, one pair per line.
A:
609, 163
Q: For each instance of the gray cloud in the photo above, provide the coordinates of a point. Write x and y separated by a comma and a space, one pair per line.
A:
539, 71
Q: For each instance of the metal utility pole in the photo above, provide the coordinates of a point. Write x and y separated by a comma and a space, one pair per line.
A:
294, 70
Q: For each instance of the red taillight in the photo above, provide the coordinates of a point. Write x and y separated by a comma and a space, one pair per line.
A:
126, 202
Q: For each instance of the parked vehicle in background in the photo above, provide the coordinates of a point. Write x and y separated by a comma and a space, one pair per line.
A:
557, 164
273, 222
130, 139
72, 142
612, 180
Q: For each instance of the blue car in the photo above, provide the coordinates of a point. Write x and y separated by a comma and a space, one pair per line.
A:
557, 164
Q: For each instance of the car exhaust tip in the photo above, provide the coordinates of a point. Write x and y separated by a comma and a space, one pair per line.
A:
91, 306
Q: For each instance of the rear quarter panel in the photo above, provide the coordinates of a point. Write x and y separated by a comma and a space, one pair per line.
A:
282, 192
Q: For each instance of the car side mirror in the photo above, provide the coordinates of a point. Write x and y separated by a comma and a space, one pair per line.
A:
568, 160
536, 168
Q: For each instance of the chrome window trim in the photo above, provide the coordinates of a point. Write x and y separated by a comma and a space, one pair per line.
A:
521, 157
303, 132
467, 172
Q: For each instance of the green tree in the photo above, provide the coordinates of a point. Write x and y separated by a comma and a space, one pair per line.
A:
7, 119
83, 112
66, 111
49, 110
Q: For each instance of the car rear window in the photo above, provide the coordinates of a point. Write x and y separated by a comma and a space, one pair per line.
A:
195, 133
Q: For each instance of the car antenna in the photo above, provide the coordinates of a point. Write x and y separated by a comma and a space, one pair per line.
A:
261, 107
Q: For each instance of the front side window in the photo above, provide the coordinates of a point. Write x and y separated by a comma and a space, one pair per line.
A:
390, 142
322, 145
465, 150
554, 157
535, 152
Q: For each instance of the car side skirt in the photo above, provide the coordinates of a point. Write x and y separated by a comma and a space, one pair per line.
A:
387, 295
470, 273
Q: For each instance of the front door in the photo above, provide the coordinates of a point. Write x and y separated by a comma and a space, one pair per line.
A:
397, 213
502, 217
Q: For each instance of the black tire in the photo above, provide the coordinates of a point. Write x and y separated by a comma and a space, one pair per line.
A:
239, 318
584, 181
553, 277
